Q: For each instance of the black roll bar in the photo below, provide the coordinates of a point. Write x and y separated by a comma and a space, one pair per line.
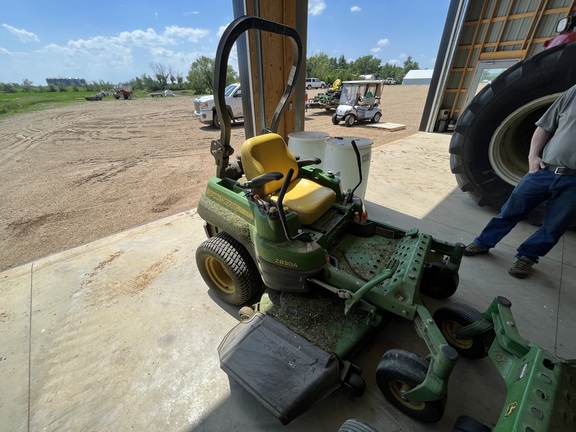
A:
221, 150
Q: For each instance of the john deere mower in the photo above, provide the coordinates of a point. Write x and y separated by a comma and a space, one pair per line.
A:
331, 99
321, 276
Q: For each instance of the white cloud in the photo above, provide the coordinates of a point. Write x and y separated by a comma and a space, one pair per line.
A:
316, 7
393, 62
221, 30
161, 52
190, 34
137, 38
381, 43
117, 57
23, 35
118, 54
355, 9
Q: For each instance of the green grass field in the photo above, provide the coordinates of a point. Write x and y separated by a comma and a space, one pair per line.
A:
15, 103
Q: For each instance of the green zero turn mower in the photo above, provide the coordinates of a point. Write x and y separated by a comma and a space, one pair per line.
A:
322, 276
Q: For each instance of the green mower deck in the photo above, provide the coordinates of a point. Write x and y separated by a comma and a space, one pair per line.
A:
540, 387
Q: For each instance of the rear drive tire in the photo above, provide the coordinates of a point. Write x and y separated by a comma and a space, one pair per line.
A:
376, 118
215, 120
491, 140
228, 269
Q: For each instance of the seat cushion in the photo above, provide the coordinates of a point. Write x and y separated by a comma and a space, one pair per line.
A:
308, 199
268, 153
265, 154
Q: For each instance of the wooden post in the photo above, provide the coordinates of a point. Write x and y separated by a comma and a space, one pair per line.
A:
270, 59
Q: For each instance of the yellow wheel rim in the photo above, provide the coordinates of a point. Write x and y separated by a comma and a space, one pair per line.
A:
219, 275
448, 329
398, 389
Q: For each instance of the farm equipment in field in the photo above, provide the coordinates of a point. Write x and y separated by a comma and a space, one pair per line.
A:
322, 276
123, 91
96, 97
331, 99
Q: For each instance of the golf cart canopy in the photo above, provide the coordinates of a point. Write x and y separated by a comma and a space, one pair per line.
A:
367, 90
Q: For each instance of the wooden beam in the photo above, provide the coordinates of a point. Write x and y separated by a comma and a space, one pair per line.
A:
271, 61
462, 92
502, 55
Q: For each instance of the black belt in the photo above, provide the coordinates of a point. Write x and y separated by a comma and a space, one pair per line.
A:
561, 170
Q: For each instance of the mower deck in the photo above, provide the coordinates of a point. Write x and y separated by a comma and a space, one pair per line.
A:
541, 387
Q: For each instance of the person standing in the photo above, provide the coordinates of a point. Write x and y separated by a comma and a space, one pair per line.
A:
551, 177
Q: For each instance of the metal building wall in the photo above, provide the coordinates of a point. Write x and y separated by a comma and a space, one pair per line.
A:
497, 32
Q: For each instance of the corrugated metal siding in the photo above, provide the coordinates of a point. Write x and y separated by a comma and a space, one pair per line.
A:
498, 29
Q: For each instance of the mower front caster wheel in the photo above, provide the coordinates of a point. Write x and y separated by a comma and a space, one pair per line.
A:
469, 424
354, 382
433, 285
228, 269
246, 313
353, 425
398, 372
452, 317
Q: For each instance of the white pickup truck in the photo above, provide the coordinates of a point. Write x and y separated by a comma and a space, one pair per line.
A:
205, 111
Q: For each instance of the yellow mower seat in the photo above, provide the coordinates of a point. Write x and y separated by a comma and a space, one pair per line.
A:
268, 153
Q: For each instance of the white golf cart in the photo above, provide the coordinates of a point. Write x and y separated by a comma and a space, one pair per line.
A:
359, 101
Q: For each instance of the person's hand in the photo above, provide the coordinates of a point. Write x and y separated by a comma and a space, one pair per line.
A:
535, 164
537, 143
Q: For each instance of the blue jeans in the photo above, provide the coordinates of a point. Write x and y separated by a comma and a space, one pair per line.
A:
560, 193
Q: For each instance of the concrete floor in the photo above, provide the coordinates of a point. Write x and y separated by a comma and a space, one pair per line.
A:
122, 333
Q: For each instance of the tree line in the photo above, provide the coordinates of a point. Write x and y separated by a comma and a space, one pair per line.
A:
328, 69
199, 79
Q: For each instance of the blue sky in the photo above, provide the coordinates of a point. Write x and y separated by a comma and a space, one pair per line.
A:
112, 41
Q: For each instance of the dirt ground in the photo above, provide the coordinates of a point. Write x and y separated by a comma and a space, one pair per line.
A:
75, 174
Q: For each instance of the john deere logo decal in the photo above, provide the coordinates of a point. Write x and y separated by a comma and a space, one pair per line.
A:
230, 204
511, 408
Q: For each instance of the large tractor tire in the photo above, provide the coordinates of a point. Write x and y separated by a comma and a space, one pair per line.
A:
491, 140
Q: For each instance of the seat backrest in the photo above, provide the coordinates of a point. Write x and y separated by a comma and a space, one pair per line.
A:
265, 154
368, 99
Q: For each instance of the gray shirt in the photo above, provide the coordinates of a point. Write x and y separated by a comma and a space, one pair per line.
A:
561, 120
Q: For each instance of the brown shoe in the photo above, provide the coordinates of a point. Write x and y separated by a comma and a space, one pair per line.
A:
521, 267
473, 249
